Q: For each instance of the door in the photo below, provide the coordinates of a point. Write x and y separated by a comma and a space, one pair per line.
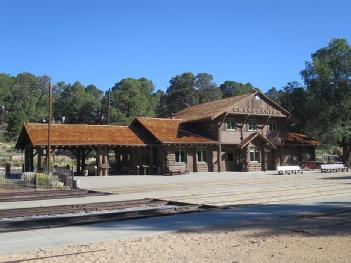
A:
233, 160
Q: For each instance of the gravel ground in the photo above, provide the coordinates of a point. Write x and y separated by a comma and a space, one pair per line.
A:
294, 239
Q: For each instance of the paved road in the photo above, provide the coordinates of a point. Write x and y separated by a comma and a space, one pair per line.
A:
273, 196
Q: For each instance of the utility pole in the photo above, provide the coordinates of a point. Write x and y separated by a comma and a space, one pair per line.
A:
2, 118
109, 108
48, 154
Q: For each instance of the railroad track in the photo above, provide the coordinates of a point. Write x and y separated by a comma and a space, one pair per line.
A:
47, 194
67, 215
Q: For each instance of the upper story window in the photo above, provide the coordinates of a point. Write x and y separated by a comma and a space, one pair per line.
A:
254, 154
272, 126
230, 125
252, 125
180, 155
201, 155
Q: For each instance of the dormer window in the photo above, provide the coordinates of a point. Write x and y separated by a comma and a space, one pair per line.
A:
230, 125
252, 125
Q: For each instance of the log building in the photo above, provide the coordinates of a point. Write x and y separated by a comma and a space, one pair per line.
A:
241, 133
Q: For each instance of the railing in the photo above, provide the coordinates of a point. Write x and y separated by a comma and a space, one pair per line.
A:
57, 180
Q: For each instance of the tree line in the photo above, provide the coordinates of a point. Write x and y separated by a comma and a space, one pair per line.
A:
322, 102
25, 99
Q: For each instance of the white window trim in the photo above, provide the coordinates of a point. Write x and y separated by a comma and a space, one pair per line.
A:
201, 150
175, 155
254, 147
226, 125
248, 125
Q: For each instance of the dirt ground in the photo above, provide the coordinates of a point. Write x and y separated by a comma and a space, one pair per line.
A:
314, 238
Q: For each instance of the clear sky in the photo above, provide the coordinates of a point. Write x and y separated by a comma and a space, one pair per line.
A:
265, 42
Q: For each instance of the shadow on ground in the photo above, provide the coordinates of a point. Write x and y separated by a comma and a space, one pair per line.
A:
323, 219
337, 178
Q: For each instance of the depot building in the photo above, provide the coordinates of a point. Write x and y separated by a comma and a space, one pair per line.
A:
249, 132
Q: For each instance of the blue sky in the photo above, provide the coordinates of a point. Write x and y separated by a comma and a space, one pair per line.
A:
265, 42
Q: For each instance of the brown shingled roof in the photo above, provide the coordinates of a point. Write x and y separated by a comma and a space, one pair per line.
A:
210, 109
301, 138
81, 134
171, 131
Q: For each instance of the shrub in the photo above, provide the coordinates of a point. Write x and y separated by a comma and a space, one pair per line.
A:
44, 180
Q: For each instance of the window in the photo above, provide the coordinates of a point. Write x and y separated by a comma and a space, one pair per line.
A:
143, 157
254, 154
272, 126
201, 155
180, 155
252, 125
230, 156
231, 125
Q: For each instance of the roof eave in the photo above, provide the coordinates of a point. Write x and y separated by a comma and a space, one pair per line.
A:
170, 142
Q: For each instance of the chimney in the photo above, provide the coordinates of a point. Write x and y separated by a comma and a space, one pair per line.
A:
173, 115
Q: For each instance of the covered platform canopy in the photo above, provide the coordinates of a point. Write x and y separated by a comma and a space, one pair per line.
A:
134, 145
80, 139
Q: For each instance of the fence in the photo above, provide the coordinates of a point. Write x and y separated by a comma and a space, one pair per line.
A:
57, 180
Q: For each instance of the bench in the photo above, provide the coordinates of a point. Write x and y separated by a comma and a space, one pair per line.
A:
177, 170
333, 167
289, 169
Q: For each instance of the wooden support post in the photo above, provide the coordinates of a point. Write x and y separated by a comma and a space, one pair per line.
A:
151, 155
78, 161
31, 157
263, 159
40, 159
26, 162
117, 159
83, 159
49, 130
219, 157
99, 161
105, 169
246, 157
28, 159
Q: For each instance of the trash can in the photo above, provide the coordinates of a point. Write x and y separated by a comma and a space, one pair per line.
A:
76, 183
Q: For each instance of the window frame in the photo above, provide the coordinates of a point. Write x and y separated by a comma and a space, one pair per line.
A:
232, 122
179, 155
256, 154
202, 155
143, 157
251, 122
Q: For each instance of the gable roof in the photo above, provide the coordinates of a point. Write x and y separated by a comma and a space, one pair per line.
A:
254, 135
209, 110
171, 131
79, 134
213, 109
